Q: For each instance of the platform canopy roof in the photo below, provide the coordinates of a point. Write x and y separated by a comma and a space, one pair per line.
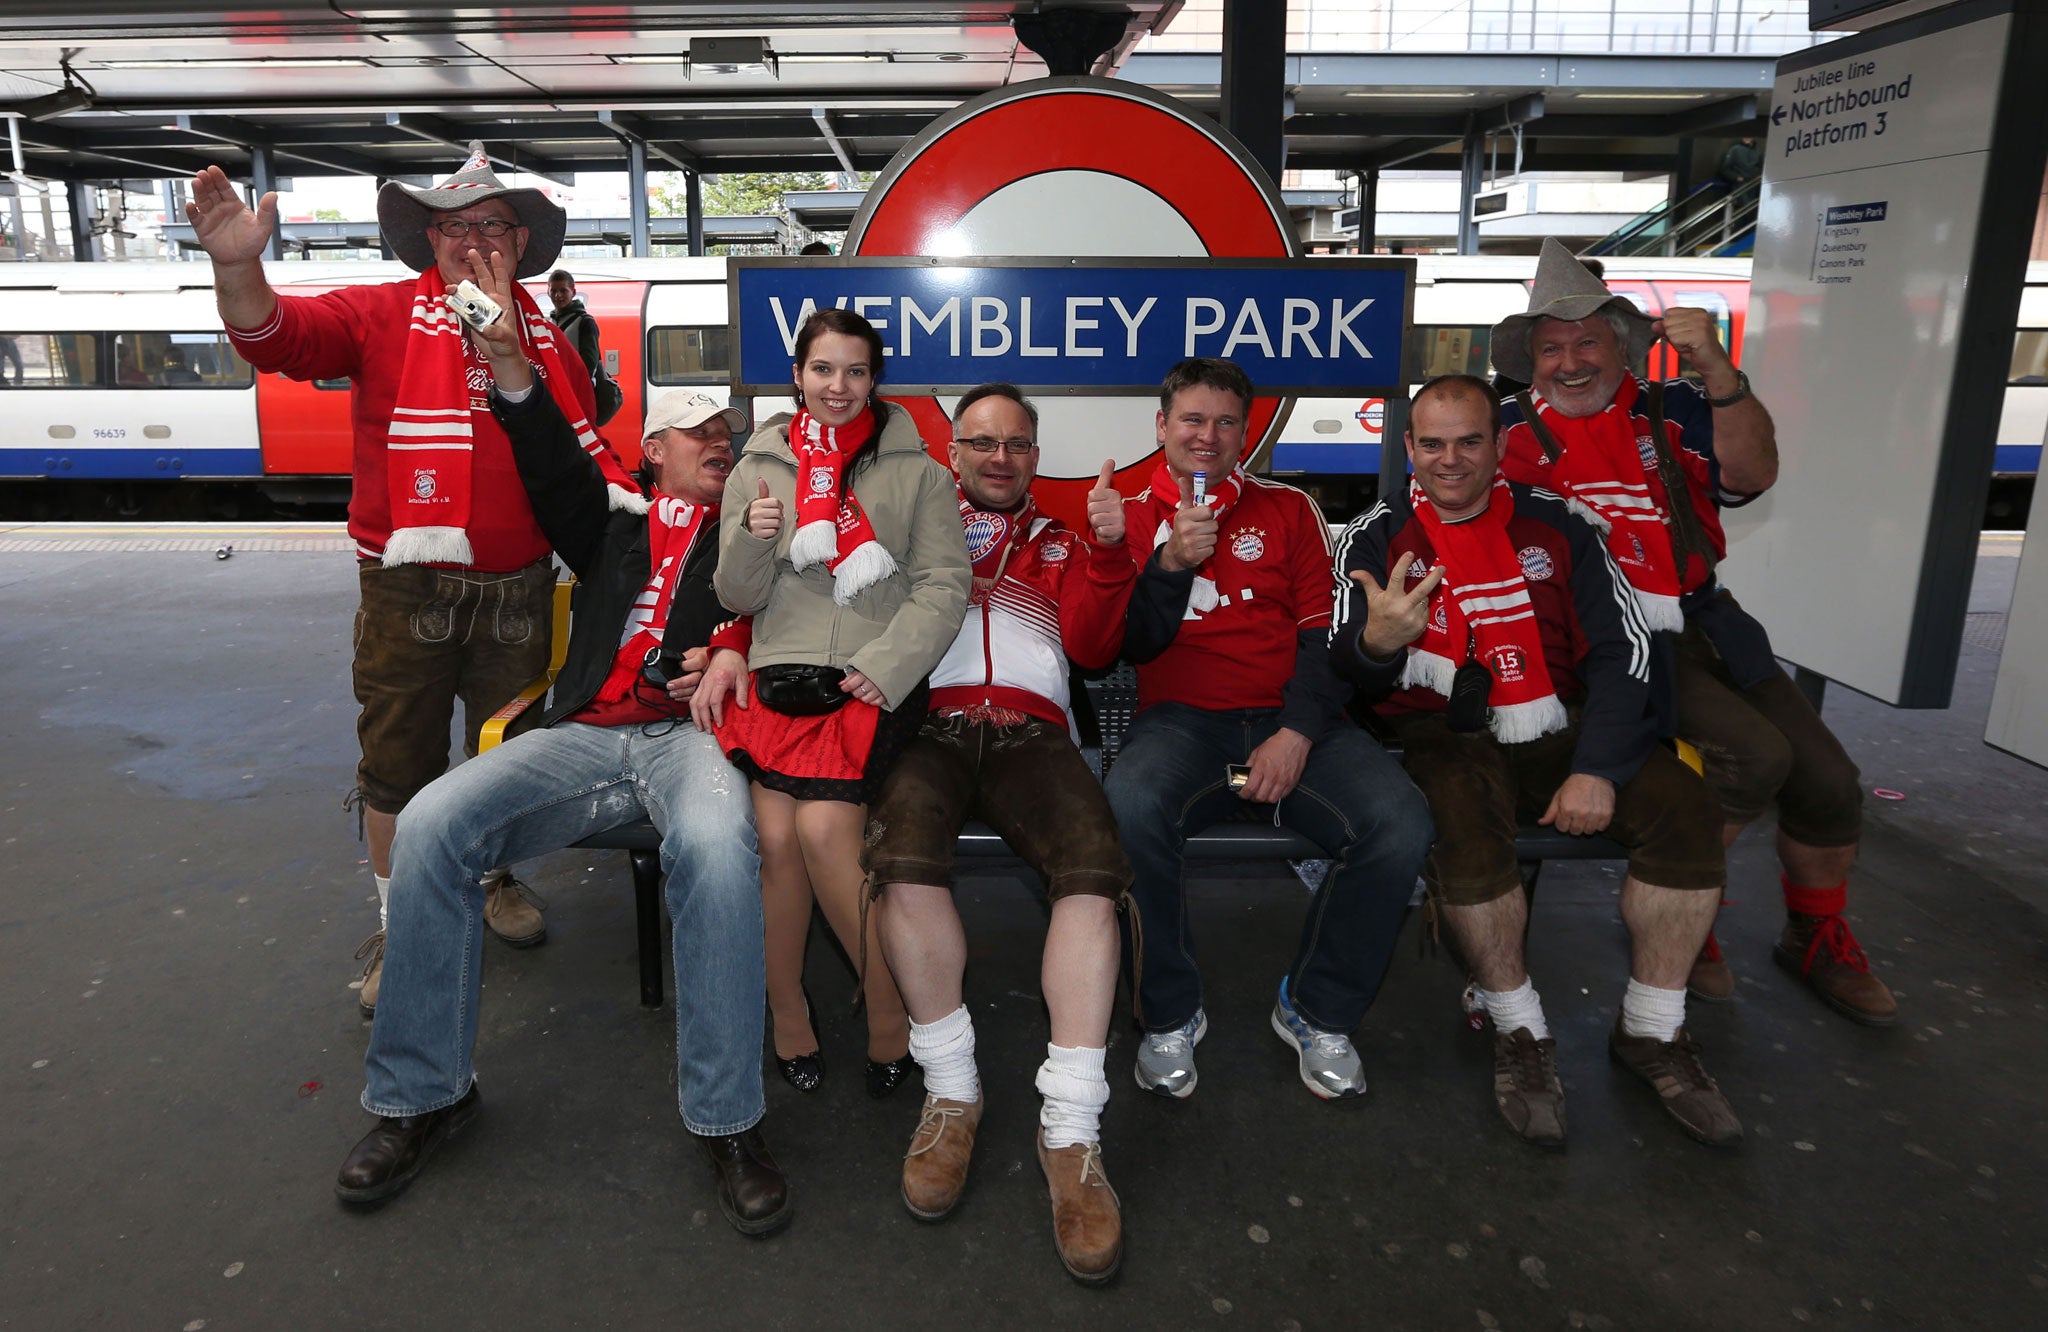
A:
163, 87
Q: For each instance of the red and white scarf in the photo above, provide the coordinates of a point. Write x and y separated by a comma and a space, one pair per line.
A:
672, 526
992, 538
1607, 477
1482, 608
1218, 495
832, 528
432, 434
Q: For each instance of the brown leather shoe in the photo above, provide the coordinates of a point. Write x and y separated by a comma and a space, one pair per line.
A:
1526, 1089
512, 911
1087, 1218
935, 1167
1711, 979
1821, 951
392, 1154
373, 973
1673, 1070
752, 1191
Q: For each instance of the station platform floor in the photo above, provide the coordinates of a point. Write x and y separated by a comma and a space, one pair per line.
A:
181, 1055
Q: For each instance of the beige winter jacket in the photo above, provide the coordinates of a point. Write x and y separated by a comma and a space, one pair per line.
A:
895, 631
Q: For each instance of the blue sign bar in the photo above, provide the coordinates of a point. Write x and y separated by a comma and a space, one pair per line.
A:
1107, 326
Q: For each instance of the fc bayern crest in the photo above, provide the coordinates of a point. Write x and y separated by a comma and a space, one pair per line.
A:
1086, 167
1536, 563
423, 484
1248, 546
985, 532
821, 481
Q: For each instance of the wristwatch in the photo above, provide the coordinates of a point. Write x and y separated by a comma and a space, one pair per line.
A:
1741, 392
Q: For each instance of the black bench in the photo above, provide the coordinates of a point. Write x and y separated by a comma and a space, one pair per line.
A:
1102, 711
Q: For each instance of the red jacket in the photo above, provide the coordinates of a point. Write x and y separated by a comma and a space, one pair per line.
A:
1060, 596
360, 332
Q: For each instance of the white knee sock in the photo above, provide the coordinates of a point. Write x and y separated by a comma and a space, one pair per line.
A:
1519, 1007
945, 1051
1072, 1082
383, 900
1649, 1011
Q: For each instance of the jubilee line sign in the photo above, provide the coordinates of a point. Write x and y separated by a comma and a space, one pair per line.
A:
1085, 326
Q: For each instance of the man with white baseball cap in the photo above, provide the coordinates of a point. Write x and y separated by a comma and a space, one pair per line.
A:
454, 569
614, 745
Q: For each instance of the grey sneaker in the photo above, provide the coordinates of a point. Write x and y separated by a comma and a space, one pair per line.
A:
1673, 1070
1166, 1059
1329, 1066
1525, 1086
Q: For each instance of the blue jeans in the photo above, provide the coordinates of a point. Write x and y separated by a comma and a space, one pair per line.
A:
1353, 801
537, 793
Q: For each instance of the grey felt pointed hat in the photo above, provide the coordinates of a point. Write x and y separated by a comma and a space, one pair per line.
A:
404, 212
1564, 289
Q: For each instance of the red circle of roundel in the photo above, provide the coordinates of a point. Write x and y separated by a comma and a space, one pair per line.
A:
1081, 124
1070, 130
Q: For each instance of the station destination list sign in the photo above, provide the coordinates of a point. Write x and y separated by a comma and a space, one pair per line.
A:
1085, 326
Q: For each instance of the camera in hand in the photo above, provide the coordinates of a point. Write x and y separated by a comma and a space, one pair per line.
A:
1469, 688
475, 309
659, 667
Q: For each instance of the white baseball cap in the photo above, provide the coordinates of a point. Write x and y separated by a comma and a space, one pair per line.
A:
680, 409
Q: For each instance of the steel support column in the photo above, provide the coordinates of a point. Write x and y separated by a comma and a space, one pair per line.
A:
636, 195
1369, 211
84, 245
1254, 79
1470, 178
262, 180
693, 209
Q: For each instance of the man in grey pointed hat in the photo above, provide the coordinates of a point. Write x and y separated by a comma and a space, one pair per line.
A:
457, 579
1655, 464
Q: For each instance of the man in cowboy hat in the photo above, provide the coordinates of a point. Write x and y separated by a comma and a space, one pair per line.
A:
1656, 463
456, 578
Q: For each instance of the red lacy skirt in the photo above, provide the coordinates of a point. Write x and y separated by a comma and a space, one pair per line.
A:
841, 755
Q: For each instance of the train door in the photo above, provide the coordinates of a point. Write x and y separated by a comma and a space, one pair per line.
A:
686, 344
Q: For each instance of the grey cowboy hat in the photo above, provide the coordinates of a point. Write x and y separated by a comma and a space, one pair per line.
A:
405, 211
1564, 289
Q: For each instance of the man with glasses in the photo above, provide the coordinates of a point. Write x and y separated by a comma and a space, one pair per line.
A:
456, 578
998, 747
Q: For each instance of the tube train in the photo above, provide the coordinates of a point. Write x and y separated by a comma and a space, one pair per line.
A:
118, 379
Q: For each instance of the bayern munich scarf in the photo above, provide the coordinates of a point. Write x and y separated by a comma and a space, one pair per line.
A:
831, 526
1219, 495
1610, 479
992, 538
1482, 608
672, 526
432, 433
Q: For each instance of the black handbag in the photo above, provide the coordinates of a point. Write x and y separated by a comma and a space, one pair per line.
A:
796, 689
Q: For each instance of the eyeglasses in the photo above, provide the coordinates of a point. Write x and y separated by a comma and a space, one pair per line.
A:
1015, 448
454, 228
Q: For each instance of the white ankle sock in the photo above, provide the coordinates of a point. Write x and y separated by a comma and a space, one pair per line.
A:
383, 900
1519, 1007
1649, 1011
945, 1051
1072, 1082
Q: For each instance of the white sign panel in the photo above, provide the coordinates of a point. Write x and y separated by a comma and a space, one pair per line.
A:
1874, 179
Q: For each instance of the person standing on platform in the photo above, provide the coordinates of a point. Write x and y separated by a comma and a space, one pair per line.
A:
996, 746
1620, 449
1515, 667
1229, 628
456, 579
580, 327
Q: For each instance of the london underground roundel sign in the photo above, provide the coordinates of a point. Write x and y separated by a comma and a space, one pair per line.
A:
1085, 167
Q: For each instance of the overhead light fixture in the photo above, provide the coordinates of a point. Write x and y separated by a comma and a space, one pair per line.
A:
731, 55
59, 103
244, 62
1415, 96
831, 59
1637, 97
677, 59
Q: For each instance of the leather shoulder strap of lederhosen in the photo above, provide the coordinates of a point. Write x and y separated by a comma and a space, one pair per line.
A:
1685, 520
1544, 438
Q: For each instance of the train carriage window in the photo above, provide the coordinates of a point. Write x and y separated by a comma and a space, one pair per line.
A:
179, 361
2029, 359
1449, 349
689, 355
49, 360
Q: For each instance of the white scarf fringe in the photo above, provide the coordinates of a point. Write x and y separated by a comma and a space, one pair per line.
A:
622, 498
1519, 723
1427, 670
1589, 513
427, 545
1661, 612
814, 543
869, 564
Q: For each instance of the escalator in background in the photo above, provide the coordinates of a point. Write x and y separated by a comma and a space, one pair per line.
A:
1714, 219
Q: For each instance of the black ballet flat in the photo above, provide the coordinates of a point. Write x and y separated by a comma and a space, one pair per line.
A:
806, 1072
886, 1078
